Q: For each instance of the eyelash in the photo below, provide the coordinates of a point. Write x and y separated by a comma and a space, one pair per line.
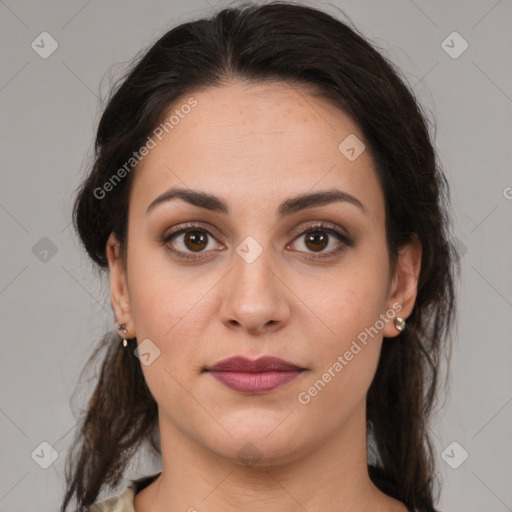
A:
346, 241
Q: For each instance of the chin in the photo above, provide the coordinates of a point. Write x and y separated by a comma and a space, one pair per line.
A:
263, 441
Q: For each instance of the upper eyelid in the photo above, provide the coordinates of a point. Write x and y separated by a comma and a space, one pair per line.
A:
299, 232
189, 227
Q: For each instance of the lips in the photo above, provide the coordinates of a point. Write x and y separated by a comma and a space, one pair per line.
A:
262, 364
259, 376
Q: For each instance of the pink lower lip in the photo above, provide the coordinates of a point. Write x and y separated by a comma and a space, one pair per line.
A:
255, 382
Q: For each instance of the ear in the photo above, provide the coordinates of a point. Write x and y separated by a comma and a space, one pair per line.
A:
404, 285
119, 294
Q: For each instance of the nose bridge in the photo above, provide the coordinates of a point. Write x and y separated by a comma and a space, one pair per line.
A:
251, 296
251, 273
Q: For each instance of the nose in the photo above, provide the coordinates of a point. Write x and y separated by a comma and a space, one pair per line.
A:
254, 297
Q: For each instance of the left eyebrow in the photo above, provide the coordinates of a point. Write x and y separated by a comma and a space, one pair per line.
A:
287, 207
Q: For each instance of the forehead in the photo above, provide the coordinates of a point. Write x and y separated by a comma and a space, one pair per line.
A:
255, 143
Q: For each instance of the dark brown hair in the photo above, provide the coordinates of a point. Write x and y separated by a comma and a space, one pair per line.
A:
295, 44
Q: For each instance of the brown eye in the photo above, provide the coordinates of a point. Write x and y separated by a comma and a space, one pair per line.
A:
316, 240
195, 240
189, 242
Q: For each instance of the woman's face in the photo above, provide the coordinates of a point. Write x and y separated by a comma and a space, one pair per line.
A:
262, 279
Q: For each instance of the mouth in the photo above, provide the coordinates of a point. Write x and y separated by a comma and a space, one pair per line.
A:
254, 376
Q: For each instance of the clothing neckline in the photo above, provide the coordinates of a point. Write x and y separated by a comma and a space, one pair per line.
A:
139, 484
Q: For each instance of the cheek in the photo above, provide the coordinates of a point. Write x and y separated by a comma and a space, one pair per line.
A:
170, 306
350, 300
160, 295
348, 355
164, 310
346, 360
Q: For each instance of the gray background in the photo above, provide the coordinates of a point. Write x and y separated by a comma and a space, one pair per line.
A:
54, 308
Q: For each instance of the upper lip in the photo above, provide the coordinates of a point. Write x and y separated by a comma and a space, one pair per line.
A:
262, 364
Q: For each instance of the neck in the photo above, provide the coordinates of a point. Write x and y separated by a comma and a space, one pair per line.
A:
332, 477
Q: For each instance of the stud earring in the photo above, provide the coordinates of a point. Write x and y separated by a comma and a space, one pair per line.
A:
122, 327
399, 324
